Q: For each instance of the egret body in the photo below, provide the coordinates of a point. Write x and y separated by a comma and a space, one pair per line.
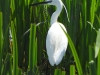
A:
56, 40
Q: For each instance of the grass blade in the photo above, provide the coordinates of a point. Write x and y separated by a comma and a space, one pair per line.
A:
63, 73
1, 40
57, 72
98, 64
92, 62
78, 65
32, 50
15, 50
72, 69
7, 65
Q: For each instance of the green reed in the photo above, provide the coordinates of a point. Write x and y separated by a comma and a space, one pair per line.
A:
27, 54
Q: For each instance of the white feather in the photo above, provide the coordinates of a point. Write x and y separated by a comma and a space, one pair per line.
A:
56, 43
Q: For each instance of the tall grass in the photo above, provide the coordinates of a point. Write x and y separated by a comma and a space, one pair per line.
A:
27, 54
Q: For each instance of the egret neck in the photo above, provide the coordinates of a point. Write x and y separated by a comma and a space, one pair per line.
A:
54, 17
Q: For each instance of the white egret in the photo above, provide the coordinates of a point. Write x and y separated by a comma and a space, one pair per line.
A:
56, 40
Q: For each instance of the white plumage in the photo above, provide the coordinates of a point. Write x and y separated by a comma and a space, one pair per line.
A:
56, 41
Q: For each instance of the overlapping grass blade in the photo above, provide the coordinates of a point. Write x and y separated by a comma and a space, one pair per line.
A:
92, 62
57, 72
63, 73
72, 69
92, 11
1, 40
7, 65
98, 64
15, 49
32, 50
78, 65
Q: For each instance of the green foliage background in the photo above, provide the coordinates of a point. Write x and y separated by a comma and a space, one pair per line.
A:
26, 55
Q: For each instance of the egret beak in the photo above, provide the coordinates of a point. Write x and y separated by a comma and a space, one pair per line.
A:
40, 3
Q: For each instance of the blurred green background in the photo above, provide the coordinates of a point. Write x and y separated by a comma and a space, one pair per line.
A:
26, 55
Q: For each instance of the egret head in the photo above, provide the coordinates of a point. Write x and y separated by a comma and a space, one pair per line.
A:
54, 2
